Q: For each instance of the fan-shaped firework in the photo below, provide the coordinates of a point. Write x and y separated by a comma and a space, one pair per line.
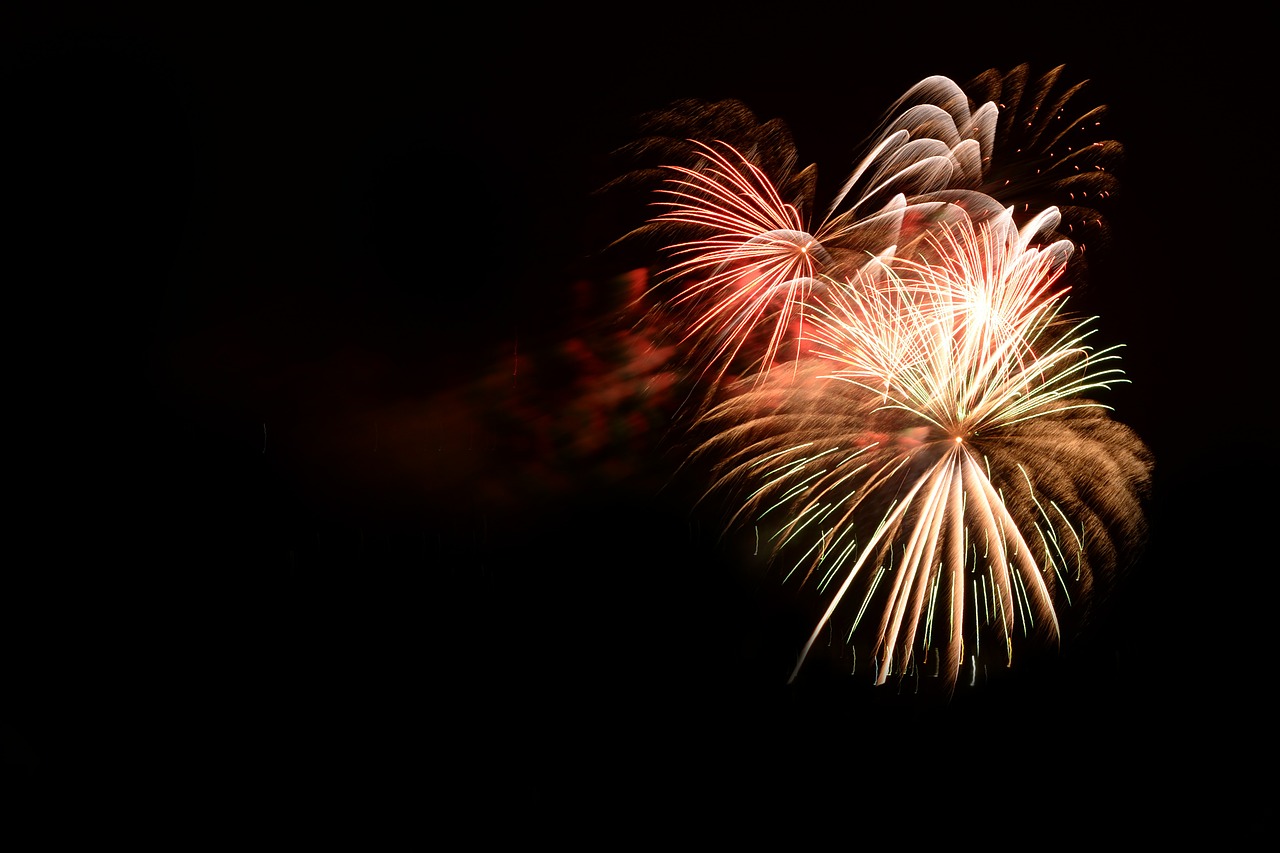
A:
931, 452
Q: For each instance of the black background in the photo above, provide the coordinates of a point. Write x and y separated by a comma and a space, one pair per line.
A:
247, 253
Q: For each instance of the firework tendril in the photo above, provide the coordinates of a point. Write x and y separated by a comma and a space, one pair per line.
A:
897, 394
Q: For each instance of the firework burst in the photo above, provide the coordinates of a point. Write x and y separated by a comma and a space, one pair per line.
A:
936, 466
895, 391
746, 249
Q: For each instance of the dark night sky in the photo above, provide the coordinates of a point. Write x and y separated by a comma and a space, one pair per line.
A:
252, 258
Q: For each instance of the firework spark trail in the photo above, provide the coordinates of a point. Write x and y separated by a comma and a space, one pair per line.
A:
759, 254
932, 452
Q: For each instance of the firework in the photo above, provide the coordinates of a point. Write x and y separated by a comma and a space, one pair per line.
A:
896, 393
936, 466
1048, 149
745, 250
